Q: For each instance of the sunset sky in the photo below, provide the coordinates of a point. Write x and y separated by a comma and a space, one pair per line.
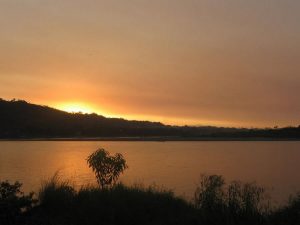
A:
196, 62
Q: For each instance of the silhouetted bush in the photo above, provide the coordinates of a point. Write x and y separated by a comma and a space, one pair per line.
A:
210, 198
230, 204
13, 202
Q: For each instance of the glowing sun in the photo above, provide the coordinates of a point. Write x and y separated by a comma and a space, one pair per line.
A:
75, 108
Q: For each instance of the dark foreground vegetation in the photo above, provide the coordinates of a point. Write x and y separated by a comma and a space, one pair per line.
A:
112, 203
58, 203
22, 120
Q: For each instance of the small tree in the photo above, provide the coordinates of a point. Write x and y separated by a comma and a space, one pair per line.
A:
107, 168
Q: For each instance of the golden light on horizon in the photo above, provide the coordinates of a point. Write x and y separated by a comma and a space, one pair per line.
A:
81, 107
75, 107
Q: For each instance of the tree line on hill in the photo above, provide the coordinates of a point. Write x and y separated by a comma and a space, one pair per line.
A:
20, 119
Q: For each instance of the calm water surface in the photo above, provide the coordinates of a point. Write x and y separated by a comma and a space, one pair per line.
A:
174, 165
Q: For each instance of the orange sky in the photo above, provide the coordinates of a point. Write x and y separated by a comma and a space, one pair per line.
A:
232, 63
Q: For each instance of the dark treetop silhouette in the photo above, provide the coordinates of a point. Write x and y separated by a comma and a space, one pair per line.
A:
107, 168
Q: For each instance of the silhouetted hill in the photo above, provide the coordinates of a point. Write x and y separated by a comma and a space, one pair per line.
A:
19, 119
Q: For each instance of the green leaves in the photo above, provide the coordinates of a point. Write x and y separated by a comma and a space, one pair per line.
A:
107, 168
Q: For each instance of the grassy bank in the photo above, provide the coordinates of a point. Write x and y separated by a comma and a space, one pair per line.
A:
215, 202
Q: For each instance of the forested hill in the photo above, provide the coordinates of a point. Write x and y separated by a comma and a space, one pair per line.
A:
19, 119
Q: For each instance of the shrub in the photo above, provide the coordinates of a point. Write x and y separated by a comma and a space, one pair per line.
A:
237, 202
210, 198
107, 168
246, 202
13, 202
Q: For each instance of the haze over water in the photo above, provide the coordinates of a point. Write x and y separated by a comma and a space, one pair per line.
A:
174, 165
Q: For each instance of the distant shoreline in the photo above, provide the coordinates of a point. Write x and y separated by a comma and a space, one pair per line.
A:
153, 139
23, 121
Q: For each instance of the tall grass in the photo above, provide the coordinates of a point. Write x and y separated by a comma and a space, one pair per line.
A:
117, 205
56, 190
